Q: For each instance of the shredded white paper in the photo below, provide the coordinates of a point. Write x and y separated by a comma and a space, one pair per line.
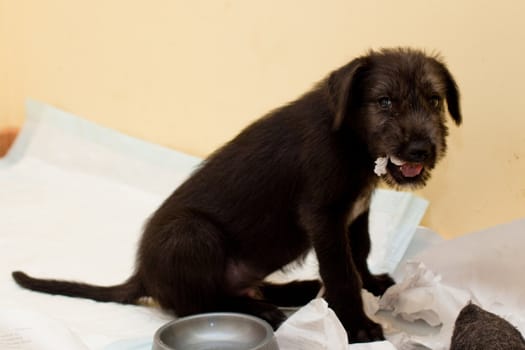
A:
380, 168
382, 162
422, 296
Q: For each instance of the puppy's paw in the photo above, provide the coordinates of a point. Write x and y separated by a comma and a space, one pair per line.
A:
274, 317
378, 284
365, 331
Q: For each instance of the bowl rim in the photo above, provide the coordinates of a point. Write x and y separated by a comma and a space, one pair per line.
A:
268, 338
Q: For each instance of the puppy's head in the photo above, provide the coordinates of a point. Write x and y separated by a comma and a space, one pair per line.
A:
394, 101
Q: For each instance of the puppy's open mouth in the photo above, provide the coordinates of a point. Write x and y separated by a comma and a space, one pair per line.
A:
400, 169
406, 169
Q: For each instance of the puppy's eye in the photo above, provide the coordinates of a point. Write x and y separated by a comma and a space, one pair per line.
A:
385, 103
435, 101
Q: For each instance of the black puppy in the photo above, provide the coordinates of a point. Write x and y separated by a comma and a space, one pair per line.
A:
298, 178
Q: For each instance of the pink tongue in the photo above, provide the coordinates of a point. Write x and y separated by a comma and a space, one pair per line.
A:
411, 169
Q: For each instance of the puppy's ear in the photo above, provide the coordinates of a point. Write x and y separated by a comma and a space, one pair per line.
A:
452, 94
341, 88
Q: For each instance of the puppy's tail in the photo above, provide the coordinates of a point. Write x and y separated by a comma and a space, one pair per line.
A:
128, 292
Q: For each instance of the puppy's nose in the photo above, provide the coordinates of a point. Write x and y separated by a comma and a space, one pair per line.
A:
418, 151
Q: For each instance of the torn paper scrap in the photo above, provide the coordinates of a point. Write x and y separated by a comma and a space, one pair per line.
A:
422, 296
313, 327
316, 327
380, 166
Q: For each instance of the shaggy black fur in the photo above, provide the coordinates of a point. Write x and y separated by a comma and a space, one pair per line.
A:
478, 329
300, 177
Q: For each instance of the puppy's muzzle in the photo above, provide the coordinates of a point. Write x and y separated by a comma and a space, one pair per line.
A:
414, 157
418, 151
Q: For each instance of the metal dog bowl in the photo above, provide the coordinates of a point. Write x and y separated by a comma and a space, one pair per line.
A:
215, 331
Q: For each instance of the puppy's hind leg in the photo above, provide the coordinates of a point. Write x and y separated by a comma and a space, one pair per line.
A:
295, 293
182, 263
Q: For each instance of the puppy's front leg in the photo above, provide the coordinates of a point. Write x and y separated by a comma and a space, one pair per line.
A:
360, 245
340, 276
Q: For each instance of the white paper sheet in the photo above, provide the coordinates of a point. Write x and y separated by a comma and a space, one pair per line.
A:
488, 265
21, 329
484, 267
394, 217
74, 197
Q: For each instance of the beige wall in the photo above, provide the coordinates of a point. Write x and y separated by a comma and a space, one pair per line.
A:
191, 74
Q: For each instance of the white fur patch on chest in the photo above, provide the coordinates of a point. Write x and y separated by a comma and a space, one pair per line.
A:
360, 206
